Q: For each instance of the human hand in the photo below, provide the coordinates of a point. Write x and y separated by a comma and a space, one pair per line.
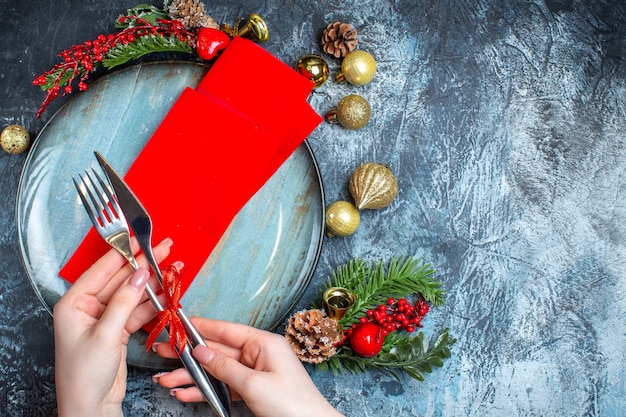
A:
259, 366
92, 324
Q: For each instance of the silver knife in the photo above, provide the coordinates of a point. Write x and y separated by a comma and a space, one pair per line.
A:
214, 391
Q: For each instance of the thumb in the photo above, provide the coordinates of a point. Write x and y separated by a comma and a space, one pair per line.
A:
124, 301
223, 367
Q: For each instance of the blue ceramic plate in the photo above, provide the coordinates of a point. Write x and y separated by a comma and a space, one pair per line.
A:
263, 262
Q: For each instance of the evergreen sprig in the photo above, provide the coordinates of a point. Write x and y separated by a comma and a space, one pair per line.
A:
144, 45
414, 355
372, 284
145, 12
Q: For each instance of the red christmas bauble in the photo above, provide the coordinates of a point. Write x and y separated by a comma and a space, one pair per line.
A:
367, 339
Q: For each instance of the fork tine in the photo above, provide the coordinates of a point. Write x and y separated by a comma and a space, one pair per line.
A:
88, 203
105, 200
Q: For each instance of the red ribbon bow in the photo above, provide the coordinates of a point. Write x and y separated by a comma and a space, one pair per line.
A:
169, 316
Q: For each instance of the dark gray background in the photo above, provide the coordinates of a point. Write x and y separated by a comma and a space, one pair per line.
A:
505, 124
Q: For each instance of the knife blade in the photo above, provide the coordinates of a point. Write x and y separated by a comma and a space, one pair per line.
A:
214, 391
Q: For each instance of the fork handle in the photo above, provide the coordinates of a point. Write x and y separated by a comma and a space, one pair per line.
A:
216, 396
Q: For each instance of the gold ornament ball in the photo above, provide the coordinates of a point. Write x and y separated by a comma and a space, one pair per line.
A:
352, 112
314, 68
342, 219
14, 139
373, 186
358, 68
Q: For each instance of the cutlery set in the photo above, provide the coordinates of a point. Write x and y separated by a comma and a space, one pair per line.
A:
114, 211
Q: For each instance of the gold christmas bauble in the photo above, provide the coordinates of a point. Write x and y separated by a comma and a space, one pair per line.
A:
314, 68
373, 186
342, 219
358, 68
352, 112
14, 139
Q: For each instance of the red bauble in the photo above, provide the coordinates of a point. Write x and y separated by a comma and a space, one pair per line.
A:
210, 41
366, 339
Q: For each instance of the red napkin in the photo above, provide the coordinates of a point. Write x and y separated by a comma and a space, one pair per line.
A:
242, 122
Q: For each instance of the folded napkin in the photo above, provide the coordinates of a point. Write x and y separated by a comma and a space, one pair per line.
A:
244, 119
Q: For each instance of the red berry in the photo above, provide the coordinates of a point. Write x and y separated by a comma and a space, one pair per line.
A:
209, 42
367, 339
363, 319
391, 301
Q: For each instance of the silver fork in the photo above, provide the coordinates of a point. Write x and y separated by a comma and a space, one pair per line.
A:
110, 222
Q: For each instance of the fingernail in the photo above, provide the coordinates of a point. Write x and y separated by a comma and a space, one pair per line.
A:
155, 346
139, 278
167, 241
203, 354
178, 265
173, 391
155, 377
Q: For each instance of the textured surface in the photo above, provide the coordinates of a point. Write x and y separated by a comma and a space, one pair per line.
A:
505, 124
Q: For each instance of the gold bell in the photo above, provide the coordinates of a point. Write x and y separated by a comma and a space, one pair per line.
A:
314, 68
337, 301
255, 29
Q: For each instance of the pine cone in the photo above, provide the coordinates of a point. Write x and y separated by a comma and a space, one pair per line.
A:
191, 13
338, 39
312, 335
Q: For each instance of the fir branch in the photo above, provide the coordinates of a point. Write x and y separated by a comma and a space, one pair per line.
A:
144, 45
140, 14
403, 277
414, 355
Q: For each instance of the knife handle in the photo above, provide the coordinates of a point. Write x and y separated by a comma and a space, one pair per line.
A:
196, 340
214, 391
200, 377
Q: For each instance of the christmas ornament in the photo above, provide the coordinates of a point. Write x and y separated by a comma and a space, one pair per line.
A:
352, 112
314, 68
358, 68
191, 13
144, 30
338, 39
367, 339
209, 42
312, 335
373, 186
375, 287
14, 139
337, 301
255, 29
342, 219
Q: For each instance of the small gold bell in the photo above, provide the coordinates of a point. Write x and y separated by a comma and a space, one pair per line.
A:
342, 219
314, 68
357, 68
255, 29
337, 301
352, 112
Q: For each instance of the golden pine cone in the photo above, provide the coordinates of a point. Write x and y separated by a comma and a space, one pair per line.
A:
339, 39
312, 335
191, 13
